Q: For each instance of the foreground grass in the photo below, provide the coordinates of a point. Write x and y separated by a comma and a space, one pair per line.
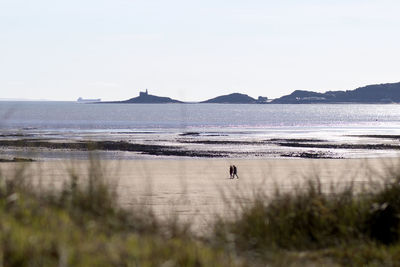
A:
312, 225
51, 238
83, 226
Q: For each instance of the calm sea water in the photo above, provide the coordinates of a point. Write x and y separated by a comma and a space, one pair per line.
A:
164, 123
71, 115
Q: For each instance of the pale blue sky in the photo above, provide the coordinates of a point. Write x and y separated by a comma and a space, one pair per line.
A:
194, 50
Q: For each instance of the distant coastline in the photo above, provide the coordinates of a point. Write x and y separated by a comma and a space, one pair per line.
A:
371, 94
388, 93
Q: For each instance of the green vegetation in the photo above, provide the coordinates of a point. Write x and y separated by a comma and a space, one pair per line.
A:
313, 225
83, 225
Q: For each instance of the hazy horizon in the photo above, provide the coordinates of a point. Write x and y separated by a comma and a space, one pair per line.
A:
193, 51
186, 101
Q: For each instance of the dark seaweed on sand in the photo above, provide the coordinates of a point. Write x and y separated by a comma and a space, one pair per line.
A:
112, 146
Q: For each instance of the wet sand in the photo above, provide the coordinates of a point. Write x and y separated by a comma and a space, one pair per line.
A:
197, 190
195, 145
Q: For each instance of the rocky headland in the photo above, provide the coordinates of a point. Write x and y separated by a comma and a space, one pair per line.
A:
146, 98
370, 94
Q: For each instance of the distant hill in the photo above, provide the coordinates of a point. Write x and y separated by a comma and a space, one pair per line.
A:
377, 93
234, 98
146, 98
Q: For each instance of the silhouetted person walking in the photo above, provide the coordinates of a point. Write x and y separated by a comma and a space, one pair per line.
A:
235, 172
231, 172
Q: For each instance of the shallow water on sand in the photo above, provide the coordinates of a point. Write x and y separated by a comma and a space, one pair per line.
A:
246, 131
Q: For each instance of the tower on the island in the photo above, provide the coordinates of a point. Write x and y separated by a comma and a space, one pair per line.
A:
144, 93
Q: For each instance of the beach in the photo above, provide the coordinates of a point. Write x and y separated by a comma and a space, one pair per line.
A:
199, 133
197, 190
174, 159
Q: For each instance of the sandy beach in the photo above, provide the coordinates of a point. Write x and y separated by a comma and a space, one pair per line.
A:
198, 190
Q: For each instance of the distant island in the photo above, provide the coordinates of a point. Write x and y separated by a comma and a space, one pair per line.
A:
372, 94
146, 98
236, 98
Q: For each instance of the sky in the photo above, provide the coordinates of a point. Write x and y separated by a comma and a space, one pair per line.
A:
194, 50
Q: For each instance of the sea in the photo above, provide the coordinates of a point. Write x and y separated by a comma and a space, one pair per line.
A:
234, 130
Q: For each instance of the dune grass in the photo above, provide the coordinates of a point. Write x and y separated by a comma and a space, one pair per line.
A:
310, 224
82, 224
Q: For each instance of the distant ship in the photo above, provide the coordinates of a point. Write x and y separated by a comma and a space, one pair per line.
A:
83, 100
